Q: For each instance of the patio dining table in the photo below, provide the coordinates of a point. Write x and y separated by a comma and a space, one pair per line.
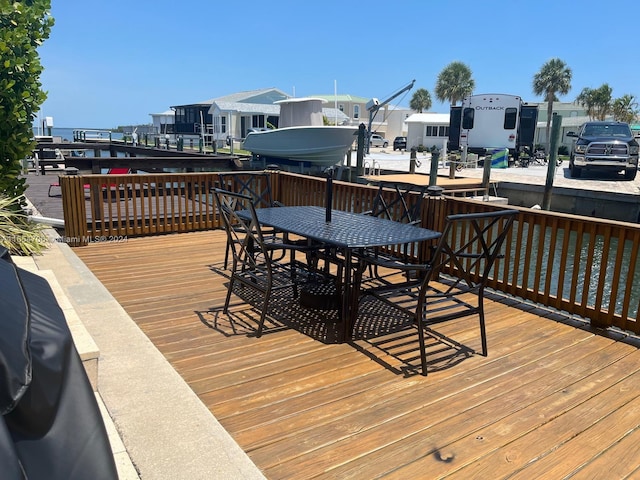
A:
346, 231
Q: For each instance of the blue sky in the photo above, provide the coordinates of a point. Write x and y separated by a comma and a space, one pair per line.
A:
114, 62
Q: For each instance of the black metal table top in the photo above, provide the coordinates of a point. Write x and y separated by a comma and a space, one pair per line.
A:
346, 229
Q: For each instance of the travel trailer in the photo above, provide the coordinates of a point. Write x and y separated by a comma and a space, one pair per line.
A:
493, 121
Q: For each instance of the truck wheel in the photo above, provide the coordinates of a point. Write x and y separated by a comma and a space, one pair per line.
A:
575, 171
385, 145
630, 173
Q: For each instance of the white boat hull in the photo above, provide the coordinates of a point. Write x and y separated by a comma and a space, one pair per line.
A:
318, 146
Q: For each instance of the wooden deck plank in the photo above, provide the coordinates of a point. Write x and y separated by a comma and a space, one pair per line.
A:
469, 452
409, 432
550, 398
606, 406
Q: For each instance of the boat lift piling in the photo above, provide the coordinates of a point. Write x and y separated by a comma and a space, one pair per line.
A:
433, 173
360, 152
551, 166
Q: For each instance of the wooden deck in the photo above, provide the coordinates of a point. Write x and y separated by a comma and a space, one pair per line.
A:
552, 399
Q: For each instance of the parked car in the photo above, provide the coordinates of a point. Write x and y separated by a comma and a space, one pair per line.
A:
378, 141
400, 143
604, 146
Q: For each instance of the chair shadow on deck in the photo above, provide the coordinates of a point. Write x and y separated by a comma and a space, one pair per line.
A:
382, 333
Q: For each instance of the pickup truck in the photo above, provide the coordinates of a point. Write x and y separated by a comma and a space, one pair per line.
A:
604, 146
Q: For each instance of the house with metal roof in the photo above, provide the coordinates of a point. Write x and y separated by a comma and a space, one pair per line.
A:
232, 116
249, 109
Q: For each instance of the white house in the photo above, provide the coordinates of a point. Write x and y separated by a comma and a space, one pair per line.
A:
427, 130
164, 122
389, 121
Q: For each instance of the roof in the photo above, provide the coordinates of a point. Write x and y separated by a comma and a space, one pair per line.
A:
567, 121
268, 95
225, 106
437, 118
343, 98
329, 112
166, 112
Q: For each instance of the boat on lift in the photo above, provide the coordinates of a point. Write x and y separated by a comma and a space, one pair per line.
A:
302, 136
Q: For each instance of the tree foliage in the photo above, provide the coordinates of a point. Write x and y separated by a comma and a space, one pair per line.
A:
596, 101
454, 83
625, 109
421, 100
553, 78
23, 27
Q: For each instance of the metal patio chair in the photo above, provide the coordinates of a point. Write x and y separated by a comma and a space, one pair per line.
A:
452, 285
257, 186
259, 262
403, 204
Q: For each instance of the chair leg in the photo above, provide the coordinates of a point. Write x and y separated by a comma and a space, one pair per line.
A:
226, 255
228, 299
263, 314
423, 347
483, 330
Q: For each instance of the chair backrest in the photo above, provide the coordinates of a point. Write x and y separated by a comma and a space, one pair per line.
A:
118, 171
402, 204
469, 247
244, 236
256, 185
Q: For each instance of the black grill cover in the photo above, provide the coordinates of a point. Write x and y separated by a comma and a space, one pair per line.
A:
51, 427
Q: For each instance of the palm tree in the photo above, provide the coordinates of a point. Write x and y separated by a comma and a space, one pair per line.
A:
421, 100
625, 109
454, 83
586, 99
554, 77
597, 101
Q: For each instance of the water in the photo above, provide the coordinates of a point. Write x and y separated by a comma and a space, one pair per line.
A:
66, 134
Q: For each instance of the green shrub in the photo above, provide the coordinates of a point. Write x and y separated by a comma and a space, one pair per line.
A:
23, 28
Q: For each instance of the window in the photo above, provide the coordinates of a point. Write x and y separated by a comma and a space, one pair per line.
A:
257, 121
467, 118
443, 131
220, 124
510, 118
356, 111
191, 115
180, 116
341, 108
432, 131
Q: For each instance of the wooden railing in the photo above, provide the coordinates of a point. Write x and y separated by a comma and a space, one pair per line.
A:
583, 266
112, 207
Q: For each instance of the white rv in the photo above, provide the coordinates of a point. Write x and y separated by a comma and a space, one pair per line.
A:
493, 121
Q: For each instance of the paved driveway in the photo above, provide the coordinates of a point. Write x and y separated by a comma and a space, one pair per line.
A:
387, 159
